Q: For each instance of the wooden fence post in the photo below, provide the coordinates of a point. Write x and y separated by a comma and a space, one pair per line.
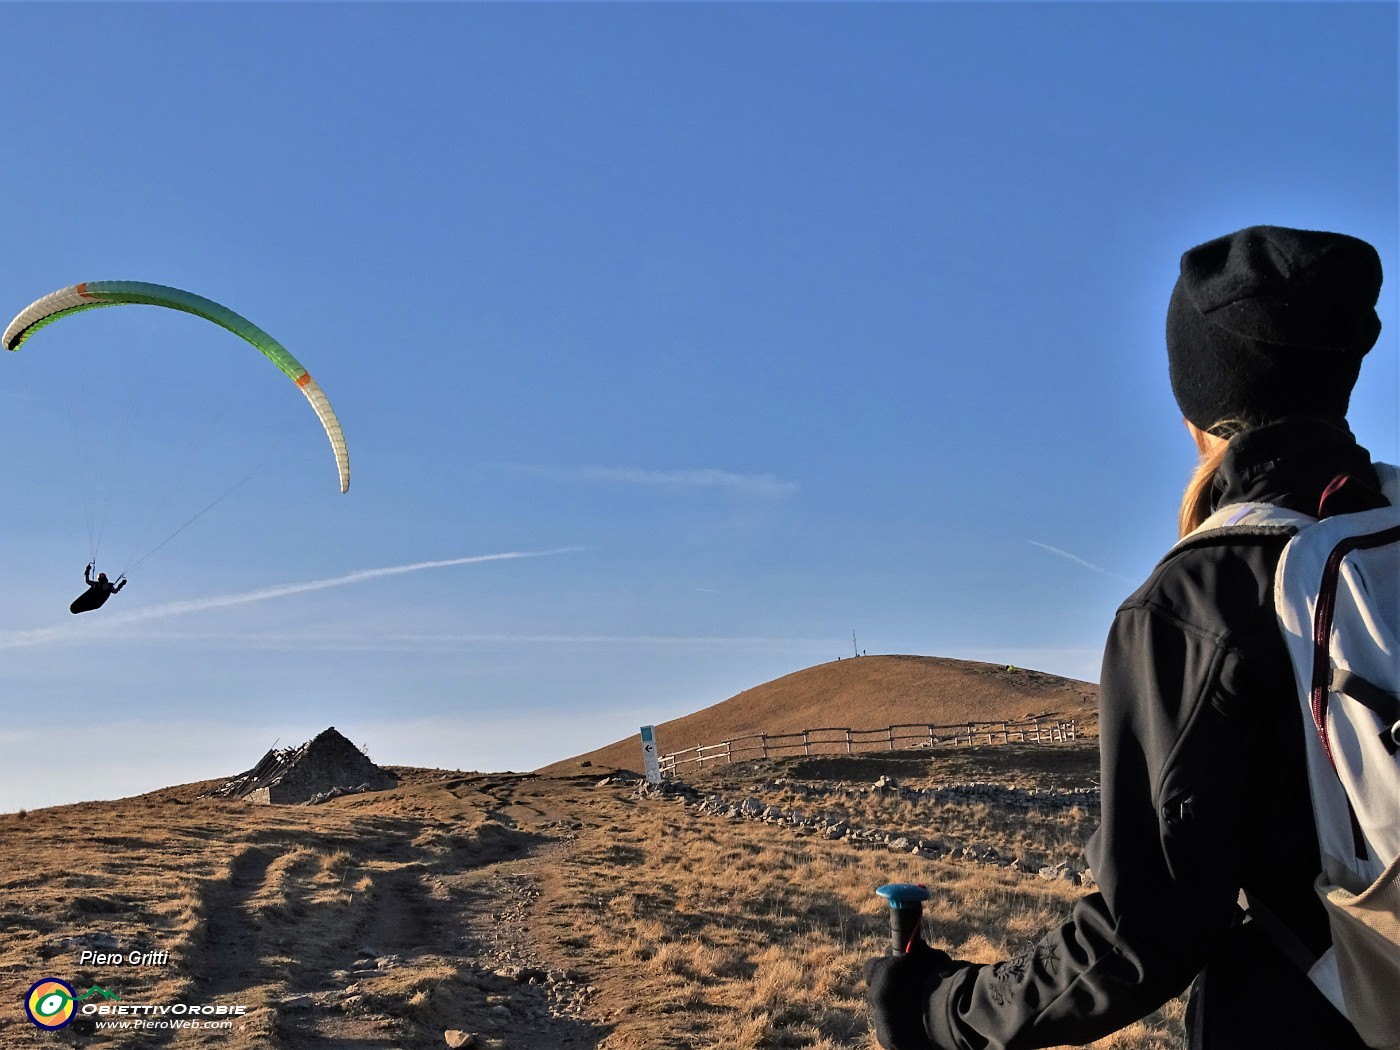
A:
1058, 731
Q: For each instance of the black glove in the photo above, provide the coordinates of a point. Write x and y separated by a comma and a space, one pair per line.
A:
898, 990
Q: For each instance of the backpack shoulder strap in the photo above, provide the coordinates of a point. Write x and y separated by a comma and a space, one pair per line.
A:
1248, 519
1268, 519
1320, 969
1255, 515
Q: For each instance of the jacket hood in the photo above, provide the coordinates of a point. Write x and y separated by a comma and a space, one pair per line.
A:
1290, 464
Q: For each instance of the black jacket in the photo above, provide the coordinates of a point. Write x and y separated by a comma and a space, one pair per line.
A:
1204, 793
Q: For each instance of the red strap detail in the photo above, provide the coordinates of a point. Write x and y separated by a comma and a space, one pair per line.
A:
1321, 682
915, 934
1346, 494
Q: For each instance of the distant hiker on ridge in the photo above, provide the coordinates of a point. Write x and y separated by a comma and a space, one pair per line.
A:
1205, 743
99, 590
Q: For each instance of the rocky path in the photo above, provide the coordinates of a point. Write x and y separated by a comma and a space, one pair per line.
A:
407, 921
450, 956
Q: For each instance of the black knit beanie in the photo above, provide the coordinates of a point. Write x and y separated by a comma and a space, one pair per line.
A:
1271, 322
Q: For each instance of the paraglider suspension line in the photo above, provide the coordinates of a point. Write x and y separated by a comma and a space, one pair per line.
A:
195, 517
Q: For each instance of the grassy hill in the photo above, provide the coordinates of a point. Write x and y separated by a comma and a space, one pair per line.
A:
521, 912
868, 692
509, 911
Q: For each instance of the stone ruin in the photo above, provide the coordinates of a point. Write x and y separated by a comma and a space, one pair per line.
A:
324, 767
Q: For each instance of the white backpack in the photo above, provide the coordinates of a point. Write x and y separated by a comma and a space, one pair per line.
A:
1337, 596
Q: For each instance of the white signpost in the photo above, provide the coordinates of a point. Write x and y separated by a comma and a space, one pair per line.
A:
653, 764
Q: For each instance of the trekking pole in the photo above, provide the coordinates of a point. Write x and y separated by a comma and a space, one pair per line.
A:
906, 901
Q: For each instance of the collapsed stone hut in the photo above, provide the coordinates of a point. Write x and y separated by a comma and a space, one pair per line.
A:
323, 767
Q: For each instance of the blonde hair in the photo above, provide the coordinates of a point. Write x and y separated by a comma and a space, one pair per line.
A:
1198, 501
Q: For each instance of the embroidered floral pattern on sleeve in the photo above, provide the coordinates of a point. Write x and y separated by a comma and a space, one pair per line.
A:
1012, 972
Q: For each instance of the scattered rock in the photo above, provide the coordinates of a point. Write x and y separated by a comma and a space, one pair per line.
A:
456, 1038
1063, 871
522, 975
836, 829
620, 778
668, 789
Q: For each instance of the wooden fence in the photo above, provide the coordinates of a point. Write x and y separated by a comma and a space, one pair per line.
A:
830, 741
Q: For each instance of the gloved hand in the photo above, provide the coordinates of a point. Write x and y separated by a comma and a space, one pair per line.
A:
898, 990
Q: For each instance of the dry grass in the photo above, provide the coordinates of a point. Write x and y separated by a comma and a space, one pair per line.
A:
253, 904
675, 929
740, 933
740, 938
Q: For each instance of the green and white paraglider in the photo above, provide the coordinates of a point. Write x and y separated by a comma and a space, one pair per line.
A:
93, 294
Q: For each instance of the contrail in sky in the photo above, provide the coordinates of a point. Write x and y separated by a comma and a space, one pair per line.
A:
1080, 561
159, 612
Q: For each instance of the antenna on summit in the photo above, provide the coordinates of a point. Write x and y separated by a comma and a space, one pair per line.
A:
853, 643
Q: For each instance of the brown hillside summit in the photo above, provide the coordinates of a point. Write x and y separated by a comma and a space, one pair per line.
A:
866, 692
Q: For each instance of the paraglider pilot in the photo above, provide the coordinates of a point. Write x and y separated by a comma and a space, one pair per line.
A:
99, 590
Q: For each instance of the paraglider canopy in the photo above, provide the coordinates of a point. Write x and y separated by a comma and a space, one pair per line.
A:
92, 294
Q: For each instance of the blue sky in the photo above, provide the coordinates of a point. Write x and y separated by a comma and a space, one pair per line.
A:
672, 342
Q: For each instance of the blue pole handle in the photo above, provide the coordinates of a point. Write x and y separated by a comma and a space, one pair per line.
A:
906, 901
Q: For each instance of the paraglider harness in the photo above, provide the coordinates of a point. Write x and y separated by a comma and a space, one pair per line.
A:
99, 590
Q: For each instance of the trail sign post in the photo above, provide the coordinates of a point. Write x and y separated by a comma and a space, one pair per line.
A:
651, 763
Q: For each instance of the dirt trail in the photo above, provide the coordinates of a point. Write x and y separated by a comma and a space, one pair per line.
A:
448, 940
374, 922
